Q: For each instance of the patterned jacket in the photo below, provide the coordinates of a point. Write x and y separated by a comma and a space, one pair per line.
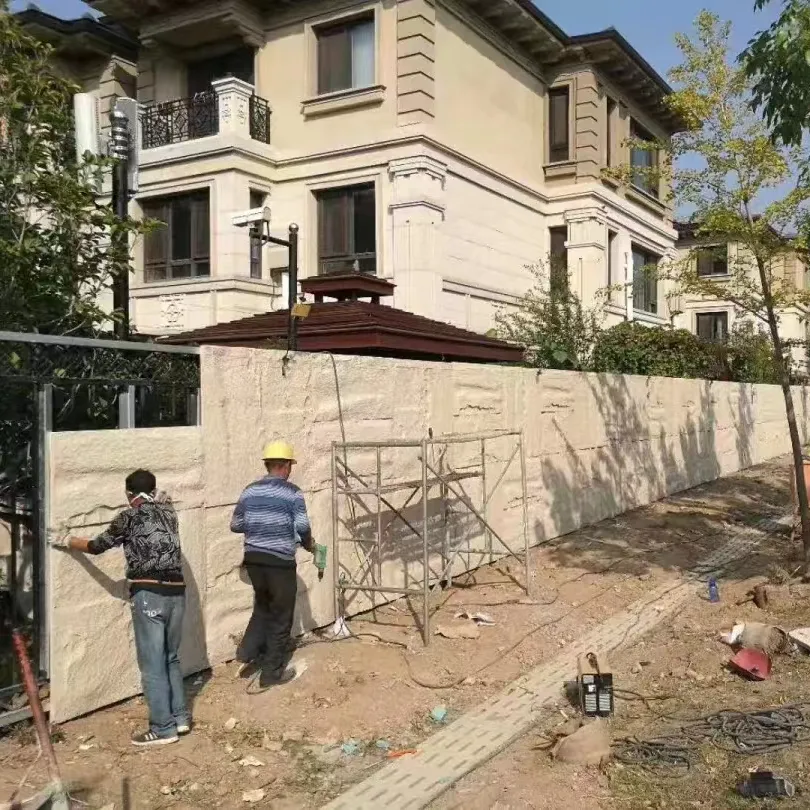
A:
150, 538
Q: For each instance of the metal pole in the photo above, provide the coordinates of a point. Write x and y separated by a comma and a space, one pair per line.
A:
526, 543
126, 408
425, 550
292, 293
447, 573
119, 149
41, 557
59, 796
335, 531
379, 517
485, 499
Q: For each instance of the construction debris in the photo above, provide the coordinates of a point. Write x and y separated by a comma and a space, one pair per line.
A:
251, 762
481, 619
766, 638
463, 630
753, 664
588, 745
439, 714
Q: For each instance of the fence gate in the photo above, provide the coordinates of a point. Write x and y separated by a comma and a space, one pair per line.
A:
58, 384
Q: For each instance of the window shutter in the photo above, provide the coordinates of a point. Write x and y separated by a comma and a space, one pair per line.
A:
333, 221
558, 124
365, 221
652, 288
200, 228
362, 59
156, 242
334, 60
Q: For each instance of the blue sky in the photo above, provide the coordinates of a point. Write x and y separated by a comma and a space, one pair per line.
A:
649, 25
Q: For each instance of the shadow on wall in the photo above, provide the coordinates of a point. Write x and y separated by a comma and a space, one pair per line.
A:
638, 462
193, 652
398, 560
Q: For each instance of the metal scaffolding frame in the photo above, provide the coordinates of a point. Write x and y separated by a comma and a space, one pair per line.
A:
434, 473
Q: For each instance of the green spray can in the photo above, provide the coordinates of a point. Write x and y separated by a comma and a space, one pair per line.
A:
320, 559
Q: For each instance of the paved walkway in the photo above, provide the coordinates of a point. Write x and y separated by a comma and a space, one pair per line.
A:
413, 782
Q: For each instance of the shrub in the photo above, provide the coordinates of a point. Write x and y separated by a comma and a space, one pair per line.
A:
633, 348
551, 324
750, 354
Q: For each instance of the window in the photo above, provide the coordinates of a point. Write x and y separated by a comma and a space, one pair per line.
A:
182, 248
558, 259
346, 55
238, 63
558, 103
611, 258
347, 230
645, 161
645, 281
256, 244
712, 326
712, 262
609, 124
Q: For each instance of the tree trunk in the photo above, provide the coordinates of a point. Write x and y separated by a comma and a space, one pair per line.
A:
790, 412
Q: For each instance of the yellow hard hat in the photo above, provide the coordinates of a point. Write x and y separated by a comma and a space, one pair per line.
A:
278, 451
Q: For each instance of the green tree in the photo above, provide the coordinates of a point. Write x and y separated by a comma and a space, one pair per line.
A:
750, 354
551, 323
54, 234
732, 181
777, 61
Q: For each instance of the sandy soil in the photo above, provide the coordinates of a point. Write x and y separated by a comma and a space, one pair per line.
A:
378, 690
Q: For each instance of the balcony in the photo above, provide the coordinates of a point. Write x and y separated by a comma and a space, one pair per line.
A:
231, 107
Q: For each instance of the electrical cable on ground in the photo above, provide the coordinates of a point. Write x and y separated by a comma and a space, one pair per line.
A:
756, 733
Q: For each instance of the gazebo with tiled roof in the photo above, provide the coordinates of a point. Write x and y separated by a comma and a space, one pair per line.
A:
351, 325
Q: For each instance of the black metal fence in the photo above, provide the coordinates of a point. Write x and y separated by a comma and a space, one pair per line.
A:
65, 384
183, 119
259, 119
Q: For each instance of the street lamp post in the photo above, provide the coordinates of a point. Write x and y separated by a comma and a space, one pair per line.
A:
119, 146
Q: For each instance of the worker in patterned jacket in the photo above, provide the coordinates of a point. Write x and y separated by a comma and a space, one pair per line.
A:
148, 533
272, 515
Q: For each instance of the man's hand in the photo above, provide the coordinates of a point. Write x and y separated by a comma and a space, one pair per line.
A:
58, 540
309, 544
69, 543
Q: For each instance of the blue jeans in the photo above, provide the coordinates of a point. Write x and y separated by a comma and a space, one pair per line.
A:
158, 622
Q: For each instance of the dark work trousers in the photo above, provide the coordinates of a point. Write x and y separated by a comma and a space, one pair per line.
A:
268, 632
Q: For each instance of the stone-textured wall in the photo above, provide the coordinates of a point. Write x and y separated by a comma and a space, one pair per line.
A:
92, 646
596, 445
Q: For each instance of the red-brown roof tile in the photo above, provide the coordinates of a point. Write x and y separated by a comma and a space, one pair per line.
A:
358, 327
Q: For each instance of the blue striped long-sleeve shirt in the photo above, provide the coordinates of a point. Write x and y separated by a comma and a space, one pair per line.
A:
272, 515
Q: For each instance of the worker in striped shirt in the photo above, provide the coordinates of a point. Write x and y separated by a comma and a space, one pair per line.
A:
272, 515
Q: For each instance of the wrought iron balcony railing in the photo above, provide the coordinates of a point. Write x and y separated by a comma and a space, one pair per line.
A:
259, 119
183, 119
186, 119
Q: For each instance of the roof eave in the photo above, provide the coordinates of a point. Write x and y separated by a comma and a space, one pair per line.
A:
610, 52
83, 35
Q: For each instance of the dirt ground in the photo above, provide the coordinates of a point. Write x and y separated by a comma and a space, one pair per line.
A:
375, 693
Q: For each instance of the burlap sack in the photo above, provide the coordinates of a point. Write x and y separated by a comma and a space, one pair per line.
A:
589, 745
764, 637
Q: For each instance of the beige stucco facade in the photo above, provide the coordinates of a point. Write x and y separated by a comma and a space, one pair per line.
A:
452, 133
596, 445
